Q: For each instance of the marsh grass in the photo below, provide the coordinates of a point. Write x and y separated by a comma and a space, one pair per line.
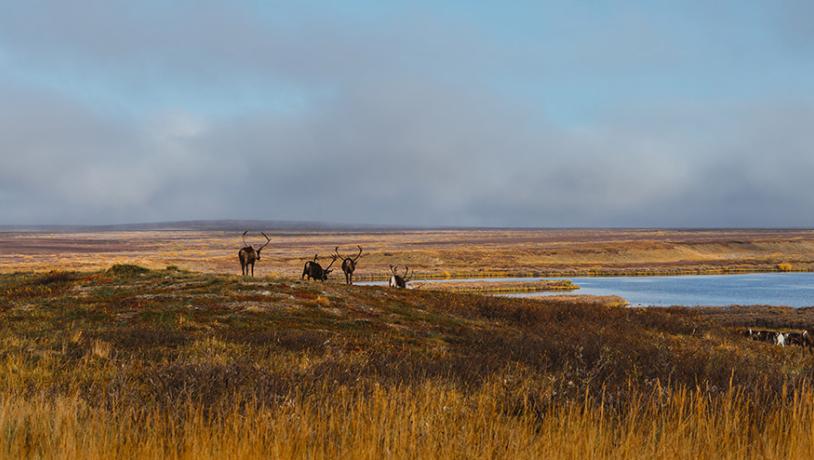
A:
172, 364
432, 420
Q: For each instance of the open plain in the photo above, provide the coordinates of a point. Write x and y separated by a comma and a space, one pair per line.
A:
431, 253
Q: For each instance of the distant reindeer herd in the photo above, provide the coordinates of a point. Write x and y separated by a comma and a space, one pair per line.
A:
313, 270
781, 338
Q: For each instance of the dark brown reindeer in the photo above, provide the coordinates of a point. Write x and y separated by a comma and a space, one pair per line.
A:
314, 271
400, 281
248, 255
348, 264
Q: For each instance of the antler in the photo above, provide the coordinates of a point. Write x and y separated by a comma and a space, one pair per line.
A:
336, 253
393, 269
244, 238
268, 240
406, 272
358, 255
333, 259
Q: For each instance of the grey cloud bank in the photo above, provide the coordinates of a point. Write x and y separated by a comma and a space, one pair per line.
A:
131, 114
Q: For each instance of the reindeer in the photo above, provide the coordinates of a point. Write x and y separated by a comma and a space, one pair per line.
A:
780, 339
248, 255
760, 335
400, 281
802, 339
348, 264
314, 271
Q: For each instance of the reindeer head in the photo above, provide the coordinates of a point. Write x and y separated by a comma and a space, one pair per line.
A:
256, 251
328, 269
400, 281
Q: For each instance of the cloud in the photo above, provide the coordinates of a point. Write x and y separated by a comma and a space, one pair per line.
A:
402, 120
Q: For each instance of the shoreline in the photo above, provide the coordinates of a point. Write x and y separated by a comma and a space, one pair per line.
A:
580, 274
499, 287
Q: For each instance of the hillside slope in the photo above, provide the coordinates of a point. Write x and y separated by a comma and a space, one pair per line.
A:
128, 343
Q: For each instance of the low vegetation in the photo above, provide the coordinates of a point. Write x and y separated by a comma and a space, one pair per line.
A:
491, 287
785, 267
133, 363
431, 254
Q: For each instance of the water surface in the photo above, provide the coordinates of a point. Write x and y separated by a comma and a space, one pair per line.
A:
787, 289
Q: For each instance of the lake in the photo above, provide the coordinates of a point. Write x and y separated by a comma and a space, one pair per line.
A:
788, 289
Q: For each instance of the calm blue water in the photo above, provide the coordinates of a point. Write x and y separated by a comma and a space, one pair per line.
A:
789, 289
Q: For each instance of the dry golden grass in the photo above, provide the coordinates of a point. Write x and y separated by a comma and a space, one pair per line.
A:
785, 267
440, 254
132, 363
429, 421
490, 287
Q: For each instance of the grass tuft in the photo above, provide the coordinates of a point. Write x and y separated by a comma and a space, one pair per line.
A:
128, 270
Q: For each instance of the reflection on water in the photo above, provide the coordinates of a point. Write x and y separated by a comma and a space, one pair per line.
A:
791, 289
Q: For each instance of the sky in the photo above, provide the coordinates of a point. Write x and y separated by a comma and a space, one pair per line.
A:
523, 114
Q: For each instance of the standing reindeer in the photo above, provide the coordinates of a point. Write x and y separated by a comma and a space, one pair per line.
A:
400, 281
313, 270
248, 255
348, 264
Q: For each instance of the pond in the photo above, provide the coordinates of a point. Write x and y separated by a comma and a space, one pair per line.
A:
787, 289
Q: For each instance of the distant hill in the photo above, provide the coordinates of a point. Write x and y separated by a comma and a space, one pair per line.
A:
210, 225
232, 225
